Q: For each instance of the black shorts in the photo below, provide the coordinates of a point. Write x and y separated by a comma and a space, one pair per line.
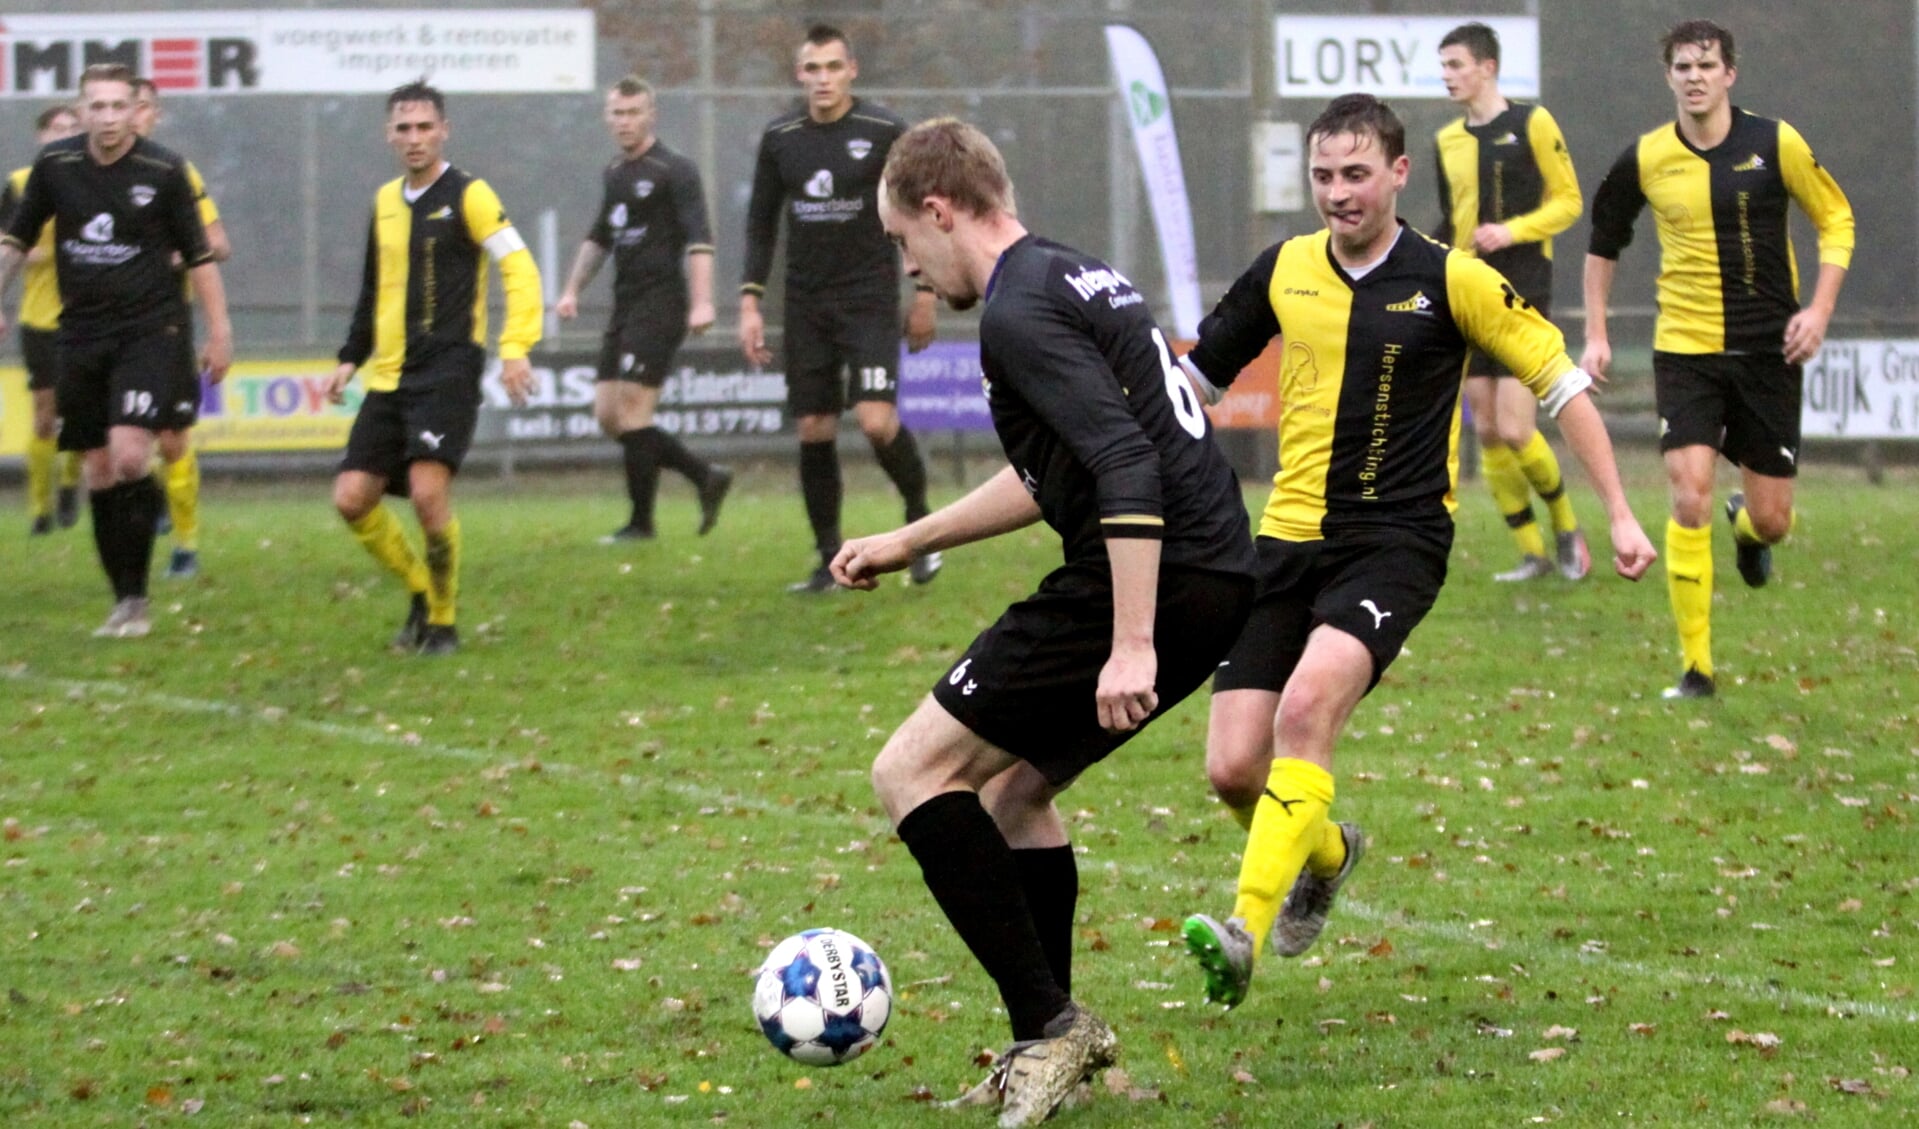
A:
1375, 586
1743, 405
144, 378
1028, 683
841, 354
1485, 364
640, 347
430, 422
40, 351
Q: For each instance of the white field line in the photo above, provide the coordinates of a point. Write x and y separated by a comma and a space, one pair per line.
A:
1748, 990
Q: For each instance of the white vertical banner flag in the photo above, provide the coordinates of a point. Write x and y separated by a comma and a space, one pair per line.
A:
1150, 109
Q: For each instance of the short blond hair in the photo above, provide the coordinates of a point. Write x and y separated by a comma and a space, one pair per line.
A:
947, 157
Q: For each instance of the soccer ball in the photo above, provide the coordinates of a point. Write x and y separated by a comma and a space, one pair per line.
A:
823, 997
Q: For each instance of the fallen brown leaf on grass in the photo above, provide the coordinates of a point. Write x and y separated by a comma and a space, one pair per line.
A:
1558, 1032
1120, 1085
1547, 1054
1854, 1086
1788, 1106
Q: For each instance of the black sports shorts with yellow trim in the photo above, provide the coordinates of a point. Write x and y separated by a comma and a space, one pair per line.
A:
431, 421
1485, 364
1743, 405
133, 378
640, 346
1028, 684
40, 353
841, 353
1375, 586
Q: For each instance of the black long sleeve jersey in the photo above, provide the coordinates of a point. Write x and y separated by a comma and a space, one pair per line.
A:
1100, 424
116, 229
652, 214
824, 177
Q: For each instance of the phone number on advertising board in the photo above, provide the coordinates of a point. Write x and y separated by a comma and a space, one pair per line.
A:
720, 421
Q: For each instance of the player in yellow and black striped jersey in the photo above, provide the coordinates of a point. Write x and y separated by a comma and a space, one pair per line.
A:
419, 335
1506, 187
1730, 338
182, 476
39, 319
1376, 320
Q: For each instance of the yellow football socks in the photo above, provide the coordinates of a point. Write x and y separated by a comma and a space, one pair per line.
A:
380, 532
1290, 831
1541, 468
70, 471
183, 499
1689, 586
1513, 494
443, 573
40, 458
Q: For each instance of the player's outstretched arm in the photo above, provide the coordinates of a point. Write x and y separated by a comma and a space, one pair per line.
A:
1596, 359
336, 384
700, 315
1807, 329
586, 265
216, 356
1125, 696
1585, 432
1000, 505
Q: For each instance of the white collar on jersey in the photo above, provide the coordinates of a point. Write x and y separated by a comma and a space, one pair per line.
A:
1364, 269
411, 193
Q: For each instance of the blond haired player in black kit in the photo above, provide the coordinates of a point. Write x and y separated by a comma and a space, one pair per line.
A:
1377, 320
123, 213
652, 221
1506, 187
419, 333
1109, 446
819, 166
1730, 338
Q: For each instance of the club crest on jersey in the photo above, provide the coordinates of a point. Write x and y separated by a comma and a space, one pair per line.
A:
1417, 304
617, 217
642, 188
858, 147
1754, 163
99, 229
142, 194
1507, 138
820, 185
443, 212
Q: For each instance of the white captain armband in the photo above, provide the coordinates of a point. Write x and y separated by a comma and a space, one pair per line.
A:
1208, 391
1570, 383
503, 243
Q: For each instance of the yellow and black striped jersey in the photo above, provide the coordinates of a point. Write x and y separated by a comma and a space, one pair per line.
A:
1727, 278
1371, 375
1513, 170
423, 290
39, 284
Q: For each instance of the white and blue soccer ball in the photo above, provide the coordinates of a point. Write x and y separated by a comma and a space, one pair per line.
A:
823, 997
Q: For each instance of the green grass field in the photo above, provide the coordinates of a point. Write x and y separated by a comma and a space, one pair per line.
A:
257, 871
